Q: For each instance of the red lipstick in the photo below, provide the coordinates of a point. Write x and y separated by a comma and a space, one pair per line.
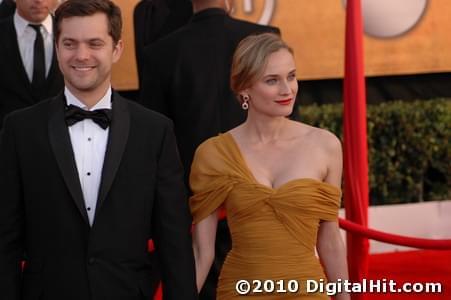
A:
284, 102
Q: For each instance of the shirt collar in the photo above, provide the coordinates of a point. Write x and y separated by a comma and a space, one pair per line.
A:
21, 24
104, 102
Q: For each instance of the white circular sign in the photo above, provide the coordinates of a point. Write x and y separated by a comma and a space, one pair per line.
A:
390, 18
267, 13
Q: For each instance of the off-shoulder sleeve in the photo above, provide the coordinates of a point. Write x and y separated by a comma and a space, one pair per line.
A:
209, 180
329, 200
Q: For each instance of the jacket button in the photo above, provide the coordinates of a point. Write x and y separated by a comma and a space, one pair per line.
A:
91, 260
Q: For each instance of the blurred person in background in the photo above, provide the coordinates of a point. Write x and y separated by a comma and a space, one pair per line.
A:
186, 75
154, 19
29, 71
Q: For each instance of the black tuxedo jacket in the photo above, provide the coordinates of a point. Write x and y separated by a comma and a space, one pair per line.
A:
43, 215
7, 8
186, 77
154, 19
15, 87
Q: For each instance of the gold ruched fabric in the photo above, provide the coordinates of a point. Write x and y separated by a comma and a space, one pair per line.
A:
273, 230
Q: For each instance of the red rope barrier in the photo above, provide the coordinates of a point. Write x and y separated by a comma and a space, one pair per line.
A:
380, 236
394, 238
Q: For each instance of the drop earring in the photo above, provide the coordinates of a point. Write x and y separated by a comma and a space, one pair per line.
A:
245, 104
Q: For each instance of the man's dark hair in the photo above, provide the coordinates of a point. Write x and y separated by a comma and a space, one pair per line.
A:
83, 8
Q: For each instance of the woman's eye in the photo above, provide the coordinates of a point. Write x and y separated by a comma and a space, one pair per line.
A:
271, 81
291, 77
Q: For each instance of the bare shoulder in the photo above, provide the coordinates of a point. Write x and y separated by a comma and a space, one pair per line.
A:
330, 141
321, 138
324, 150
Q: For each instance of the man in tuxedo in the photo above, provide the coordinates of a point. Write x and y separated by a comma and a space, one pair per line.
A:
87, 178
186, 77
7, 8
28, 68
153, 19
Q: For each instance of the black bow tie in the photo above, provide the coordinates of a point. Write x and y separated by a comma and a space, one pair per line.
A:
101, 117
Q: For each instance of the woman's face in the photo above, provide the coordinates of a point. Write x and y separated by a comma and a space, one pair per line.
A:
275, 92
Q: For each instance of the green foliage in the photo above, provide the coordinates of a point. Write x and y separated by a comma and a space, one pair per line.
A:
408, 145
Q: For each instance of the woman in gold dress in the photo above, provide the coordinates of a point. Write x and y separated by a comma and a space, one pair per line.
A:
279, 181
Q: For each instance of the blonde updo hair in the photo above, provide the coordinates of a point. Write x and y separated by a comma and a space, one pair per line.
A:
251, 57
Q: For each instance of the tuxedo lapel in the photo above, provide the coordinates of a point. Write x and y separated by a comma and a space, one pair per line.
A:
62, 149
117, 140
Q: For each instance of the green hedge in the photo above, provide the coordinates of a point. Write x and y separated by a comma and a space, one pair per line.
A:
408, 144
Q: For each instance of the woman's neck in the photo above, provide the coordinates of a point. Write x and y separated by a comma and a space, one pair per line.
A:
265, 129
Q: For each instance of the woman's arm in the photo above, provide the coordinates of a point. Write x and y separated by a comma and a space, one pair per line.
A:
332, 253
330, 246
204, 237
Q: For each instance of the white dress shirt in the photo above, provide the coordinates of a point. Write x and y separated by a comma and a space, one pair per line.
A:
89, 143
26, 37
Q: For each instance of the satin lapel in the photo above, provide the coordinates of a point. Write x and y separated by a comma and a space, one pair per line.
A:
117, 140
62, 149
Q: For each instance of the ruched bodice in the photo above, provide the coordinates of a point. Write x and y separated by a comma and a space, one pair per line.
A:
273, 231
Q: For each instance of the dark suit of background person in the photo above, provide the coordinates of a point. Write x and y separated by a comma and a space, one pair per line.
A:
43, 214
154, 19
7, 8
15, 85
186, 77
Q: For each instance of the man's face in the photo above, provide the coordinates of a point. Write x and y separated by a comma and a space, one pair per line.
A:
35, 11
86, 53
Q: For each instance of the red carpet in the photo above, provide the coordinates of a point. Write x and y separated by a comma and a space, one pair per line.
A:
413, 266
